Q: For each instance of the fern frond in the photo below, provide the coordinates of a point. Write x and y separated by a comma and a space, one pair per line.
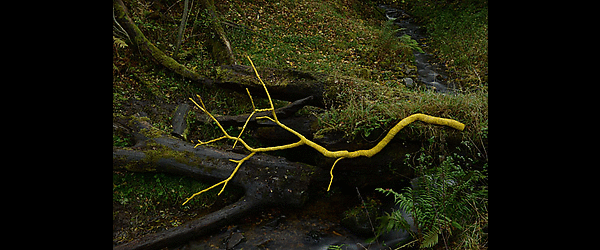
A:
120, 43
430, 238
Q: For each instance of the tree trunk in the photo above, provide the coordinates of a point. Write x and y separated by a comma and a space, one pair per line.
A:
267, 180
184, 16
217, 41
143, 45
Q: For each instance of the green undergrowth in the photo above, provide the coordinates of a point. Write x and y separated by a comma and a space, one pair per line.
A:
164, 191
146, 203
358, 108
448, 202
458, 36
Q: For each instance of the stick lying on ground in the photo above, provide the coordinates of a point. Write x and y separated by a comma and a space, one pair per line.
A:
303, 141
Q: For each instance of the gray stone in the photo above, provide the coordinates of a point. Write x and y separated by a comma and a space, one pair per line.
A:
409, 82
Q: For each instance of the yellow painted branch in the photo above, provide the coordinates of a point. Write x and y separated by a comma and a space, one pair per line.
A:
331, 173
390, 135
303, 141
265, 86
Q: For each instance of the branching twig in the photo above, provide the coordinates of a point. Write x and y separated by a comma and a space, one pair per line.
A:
303, 141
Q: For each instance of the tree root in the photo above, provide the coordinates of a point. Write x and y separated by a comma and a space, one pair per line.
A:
193, 228
267, 180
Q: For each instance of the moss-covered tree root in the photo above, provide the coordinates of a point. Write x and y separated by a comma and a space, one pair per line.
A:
266, 180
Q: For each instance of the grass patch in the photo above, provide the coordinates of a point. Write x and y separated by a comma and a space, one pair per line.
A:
146, 203
360, 107
345, 37
148, 192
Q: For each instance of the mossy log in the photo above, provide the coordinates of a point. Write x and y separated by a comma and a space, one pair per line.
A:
267, 180
145, 46
283, 84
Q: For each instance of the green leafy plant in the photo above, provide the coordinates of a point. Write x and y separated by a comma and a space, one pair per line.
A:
389, 51
119, 42
120, 141
447, 200
335, 247
411, 43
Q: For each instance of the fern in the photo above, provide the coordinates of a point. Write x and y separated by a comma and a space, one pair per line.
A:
120, 43
430, 238
411, 43
441, 202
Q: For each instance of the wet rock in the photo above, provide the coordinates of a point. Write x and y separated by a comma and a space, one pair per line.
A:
393, 14
233, 240
409, 82
272, 224
313, 236
263, 243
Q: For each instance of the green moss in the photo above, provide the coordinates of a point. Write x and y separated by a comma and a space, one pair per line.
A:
151, 132
161, 152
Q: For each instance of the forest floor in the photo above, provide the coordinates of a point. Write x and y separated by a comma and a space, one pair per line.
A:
342, 37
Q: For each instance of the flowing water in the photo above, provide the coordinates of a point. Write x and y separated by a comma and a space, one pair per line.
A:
430, 75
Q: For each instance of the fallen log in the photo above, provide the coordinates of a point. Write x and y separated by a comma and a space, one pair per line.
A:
283, 84
284, 112
266, 180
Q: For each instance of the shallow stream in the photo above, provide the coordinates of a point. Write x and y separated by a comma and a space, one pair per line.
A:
428, 74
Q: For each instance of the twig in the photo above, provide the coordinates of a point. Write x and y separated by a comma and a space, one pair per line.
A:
477, 75
368, 215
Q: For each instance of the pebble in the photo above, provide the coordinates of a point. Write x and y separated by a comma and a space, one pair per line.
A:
409, 82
